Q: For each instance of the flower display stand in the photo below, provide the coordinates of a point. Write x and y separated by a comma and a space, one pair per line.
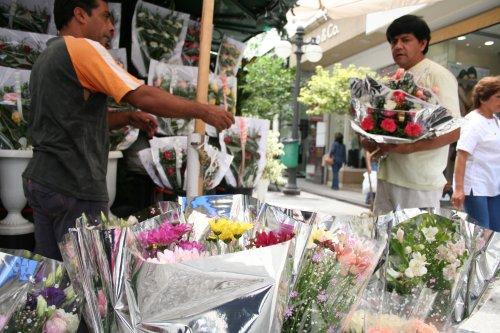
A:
12, 165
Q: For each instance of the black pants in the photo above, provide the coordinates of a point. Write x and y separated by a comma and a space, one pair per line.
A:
54, 213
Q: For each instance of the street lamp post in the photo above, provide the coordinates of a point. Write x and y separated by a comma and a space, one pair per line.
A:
313, 53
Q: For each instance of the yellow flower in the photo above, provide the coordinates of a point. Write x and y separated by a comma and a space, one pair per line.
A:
319, 235
218, 225
212, 237
16, 118
214, 87
226, 236
238, 228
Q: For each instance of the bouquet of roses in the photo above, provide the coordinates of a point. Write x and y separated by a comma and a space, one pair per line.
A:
399, 112
246, 142
26, 15
14, 108
20, 49
191, 48
157, 33
229, 57
51, 304
338, 264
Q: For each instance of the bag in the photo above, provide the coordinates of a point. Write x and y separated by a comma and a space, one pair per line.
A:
327, 160
366, 182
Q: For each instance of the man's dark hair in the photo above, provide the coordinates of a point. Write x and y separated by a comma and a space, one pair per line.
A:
63, 10
409, 24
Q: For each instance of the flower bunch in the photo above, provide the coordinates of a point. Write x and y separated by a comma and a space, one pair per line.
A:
163, 237
425, 251
229, 57
51, 306
18, 54
335, 271
393, 112
14, 126
274, 168
191, 48
34, 20
227, 230
174, 163
246, 157
222, 91
268, 238
158, 34
362, 321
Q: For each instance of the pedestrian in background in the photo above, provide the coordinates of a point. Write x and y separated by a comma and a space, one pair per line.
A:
477, 166
338, 154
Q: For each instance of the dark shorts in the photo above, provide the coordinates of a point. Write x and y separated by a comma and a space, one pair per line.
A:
54, 213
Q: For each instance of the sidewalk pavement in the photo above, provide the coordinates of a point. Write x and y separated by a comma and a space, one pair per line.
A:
351, 194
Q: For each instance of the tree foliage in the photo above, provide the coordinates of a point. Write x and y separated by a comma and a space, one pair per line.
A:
328, 91
267, 88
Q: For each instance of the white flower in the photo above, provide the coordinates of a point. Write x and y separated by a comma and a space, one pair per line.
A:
458, 248
416, 267
390, 104
153, 44
132, 220
408, 250
400, 234
430, 233
393, 273
450, 272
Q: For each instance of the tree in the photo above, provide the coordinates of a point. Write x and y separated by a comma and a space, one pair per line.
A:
328, 91
266, 88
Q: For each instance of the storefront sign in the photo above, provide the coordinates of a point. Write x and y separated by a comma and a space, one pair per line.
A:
328, 32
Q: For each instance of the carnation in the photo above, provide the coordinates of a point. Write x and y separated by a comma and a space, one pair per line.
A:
388, 125
368, 123
413, 130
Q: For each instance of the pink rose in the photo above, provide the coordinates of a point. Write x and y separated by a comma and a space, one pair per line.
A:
55, 325
102, 303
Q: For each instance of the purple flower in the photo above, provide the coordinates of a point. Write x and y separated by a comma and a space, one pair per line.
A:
288, 313
322, 296
316, 257
187, 245
294, 294
53, 296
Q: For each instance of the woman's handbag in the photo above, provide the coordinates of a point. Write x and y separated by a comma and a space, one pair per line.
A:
327, 160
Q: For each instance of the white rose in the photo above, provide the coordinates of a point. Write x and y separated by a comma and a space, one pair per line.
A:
390, 104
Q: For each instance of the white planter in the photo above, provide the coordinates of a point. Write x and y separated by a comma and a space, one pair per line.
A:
12, 165
111, 175
260, 190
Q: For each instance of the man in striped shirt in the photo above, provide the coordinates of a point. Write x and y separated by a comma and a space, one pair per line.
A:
69, 122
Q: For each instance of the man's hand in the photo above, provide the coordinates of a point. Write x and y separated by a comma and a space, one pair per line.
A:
403, 148
217, 117
143, 121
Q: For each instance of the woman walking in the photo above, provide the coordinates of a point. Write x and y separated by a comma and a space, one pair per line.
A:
477, 165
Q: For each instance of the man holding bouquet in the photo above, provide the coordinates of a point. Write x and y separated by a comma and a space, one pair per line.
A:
69, 122
411, 174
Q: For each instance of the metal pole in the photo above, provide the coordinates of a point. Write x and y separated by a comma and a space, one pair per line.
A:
291, 187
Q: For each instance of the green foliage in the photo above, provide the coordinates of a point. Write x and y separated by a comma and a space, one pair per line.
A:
267, 88
328, 91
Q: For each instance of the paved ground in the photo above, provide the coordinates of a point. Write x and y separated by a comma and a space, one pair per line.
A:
314, 203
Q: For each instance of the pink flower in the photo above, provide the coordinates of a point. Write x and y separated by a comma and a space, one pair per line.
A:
102, 303
55, 325
322, 297
398, 74
420, 94
418, 326
10, 97
413, 130
316, 258
3, 321
367, 123
187, 245
288, 313
356, 261
294, 294
163, 236
177, 255
388, 125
